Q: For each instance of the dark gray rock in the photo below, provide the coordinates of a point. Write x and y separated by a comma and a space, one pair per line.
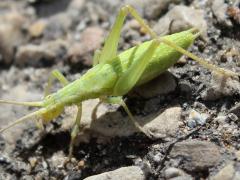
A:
196, 155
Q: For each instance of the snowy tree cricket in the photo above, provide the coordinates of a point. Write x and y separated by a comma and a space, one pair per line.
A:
114, 75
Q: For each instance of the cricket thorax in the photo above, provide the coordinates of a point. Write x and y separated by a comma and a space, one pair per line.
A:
98, 81
53, 107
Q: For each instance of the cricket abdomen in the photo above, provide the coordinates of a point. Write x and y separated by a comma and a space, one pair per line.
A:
163, 58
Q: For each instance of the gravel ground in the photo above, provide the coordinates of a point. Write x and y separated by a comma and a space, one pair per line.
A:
192, 113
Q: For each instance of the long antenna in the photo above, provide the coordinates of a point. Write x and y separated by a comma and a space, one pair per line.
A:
36, 104
22, 119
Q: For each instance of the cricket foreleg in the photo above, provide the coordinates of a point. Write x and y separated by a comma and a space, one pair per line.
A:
120, 101
75, 130
109, 50
57, 75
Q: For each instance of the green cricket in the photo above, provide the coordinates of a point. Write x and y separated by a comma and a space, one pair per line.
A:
114, 75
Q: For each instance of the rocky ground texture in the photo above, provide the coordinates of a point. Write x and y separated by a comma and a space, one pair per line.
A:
192, 113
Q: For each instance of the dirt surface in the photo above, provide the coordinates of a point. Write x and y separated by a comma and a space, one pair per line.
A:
193, 113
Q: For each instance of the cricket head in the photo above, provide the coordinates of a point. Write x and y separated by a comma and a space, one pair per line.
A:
53, 109
49, 110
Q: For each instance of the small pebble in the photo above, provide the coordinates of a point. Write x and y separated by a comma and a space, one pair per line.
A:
235, 109
181, 18
37, 28
191, 123
173, 172
198, 118
32, 161
157, 158
233, 117
219, 9
221, 119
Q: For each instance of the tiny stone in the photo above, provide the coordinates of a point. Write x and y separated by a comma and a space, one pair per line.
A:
236, 109
200, 119
191, 123
173, 172
57, 159
37, 28
237, 154
181, 18
27, 177
81, 164
200, 106
233, 117
44, 164
157, 158
32, 161
221, 119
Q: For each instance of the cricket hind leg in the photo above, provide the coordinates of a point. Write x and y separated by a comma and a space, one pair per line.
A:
55, 74
201, 61
120, 101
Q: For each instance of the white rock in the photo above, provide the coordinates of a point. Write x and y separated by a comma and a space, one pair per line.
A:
124, 173
111, 123
226, 173
181, 18
165, 124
